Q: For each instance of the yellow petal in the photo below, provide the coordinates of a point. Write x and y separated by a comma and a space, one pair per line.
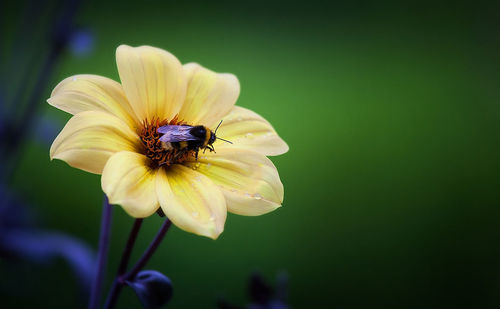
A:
82, 93
210, 96
128, 181
248, 130
90, 138
248, 179
191, 200
153, 81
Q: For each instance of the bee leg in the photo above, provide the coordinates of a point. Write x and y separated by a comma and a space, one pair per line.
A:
196, 154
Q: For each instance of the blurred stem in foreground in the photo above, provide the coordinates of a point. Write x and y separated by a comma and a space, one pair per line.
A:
102, 256
22, 117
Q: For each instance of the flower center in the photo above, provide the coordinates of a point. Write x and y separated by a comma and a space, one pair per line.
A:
153, 148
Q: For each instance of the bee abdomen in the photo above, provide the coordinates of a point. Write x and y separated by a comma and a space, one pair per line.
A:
183, 144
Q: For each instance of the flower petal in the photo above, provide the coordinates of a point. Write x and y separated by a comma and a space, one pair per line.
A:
90, 138
248, 130
128, 181
210, 96
153, 81
81, 93
248, 180
191, 200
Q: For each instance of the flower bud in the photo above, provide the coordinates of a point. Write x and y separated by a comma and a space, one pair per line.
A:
152, 288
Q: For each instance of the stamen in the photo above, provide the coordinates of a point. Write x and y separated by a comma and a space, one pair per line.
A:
152, 146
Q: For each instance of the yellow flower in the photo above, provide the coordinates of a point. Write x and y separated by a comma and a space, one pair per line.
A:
114, 133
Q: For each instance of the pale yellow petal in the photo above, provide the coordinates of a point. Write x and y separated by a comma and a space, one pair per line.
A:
210, 96
153, 81
82, 93
248, 180
191, 200
128, 181
90, 138
248, 130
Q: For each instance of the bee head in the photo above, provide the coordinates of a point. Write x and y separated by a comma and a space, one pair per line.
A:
212, 138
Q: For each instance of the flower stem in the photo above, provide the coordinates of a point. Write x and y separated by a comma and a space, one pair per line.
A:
130, 245
122, 278
117, 286
102, 257
149, 252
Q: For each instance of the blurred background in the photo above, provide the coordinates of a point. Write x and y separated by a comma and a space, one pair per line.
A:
391, 111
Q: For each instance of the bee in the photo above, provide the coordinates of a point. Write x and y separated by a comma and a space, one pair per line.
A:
183, 138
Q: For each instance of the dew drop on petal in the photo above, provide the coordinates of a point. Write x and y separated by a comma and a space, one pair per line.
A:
257, 196
195, 214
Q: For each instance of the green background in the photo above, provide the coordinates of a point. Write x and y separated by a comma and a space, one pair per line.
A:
392, 115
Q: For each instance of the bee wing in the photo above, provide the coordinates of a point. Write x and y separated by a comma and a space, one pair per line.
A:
174, 133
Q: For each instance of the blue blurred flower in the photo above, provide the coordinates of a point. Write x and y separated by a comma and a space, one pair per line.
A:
82, 42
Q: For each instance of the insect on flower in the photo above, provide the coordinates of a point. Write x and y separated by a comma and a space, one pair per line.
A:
143, 136
184, 138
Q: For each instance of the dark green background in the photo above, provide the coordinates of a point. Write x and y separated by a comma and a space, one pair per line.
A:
392, 115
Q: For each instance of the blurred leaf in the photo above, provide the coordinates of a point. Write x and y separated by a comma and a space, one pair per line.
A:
43, 247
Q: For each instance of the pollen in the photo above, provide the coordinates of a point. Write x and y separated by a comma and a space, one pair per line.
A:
152, 147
